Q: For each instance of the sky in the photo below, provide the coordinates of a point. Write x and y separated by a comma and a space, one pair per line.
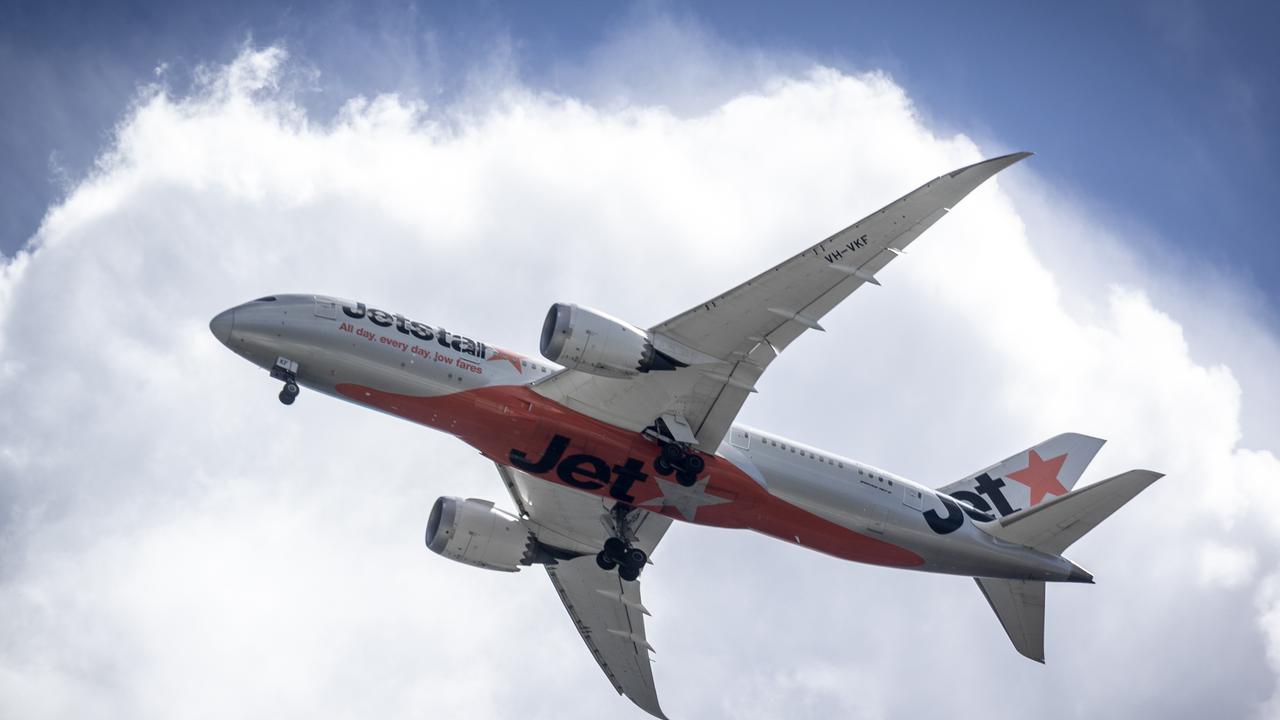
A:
177, 544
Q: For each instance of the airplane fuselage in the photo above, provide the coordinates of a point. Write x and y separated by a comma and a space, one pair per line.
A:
489, 398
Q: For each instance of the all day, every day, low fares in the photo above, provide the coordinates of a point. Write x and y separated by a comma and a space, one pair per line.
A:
627, 429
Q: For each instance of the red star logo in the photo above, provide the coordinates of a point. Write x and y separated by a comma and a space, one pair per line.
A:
1041, 476
500, 354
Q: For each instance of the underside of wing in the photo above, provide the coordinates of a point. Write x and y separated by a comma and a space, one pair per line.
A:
605, 609
727, 342
609, 616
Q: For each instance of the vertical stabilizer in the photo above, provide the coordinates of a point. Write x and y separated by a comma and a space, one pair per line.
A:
1026, 479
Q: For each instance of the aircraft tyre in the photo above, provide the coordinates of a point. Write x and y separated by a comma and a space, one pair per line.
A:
615, 549
605, 562
694, 463
628, 573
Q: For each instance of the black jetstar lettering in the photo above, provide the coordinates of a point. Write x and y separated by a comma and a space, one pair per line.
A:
991, 488
851, 246
403, 325
948, 524
582, 470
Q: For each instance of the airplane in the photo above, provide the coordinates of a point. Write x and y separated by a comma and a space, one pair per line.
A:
621, 430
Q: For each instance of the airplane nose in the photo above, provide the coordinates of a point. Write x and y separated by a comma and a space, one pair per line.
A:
221, 325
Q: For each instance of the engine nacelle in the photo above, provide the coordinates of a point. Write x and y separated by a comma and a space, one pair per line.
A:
476, 533
596, 343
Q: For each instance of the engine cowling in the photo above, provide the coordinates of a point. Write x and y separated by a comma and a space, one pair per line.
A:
477, 533
593, 342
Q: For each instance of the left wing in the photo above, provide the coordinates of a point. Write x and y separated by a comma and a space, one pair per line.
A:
729, 340
608, 614
605, 609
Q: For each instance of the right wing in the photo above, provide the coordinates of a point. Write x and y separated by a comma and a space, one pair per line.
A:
605, 609
734, 336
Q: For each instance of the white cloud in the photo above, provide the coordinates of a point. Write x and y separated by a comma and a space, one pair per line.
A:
180, 545
1225, 565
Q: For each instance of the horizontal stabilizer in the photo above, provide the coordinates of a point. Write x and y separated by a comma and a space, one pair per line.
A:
1053, 526
1019, 604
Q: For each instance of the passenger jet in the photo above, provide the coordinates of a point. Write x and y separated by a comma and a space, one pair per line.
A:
621, 430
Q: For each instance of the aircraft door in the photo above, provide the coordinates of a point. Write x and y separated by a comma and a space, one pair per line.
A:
326, 308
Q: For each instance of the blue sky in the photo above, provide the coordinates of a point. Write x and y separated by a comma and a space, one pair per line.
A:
1160, 114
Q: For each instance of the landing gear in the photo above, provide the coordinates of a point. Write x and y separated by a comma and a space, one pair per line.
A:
286, 370
289, 393
675, 456
617, 552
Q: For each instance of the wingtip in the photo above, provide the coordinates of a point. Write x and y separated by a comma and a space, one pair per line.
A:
992, 165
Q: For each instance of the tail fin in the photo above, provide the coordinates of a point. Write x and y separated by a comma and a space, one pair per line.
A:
1052, 527
1055, 525
1028, 478
1019, 604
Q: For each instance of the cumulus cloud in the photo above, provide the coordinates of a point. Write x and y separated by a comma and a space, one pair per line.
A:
178, 544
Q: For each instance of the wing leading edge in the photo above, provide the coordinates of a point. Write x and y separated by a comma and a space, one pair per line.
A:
740, 332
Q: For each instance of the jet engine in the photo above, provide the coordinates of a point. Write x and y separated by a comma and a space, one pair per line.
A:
599, 344
476, 533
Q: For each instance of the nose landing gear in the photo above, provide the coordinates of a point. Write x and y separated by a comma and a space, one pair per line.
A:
286, 370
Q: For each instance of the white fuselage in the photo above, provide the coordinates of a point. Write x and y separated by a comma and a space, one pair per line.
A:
489, 398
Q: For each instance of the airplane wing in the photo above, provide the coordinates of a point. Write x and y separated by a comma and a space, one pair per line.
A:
737, 334
606, 610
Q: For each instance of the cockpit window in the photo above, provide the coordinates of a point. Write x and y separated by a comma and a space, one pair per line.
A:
269, 298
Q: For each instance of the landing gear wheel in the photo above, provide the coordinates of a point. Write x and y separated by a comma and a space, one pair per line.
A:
605, 562
694, 463
686, 478
663, 467
635, 557
289, 393
286, 370
672, 453
628, 573
614, 549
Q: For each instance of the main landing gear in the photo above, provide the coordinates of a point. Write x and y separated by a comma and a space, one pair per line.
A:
618, 551
685, 463
628, 560
286, 370
676, 456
